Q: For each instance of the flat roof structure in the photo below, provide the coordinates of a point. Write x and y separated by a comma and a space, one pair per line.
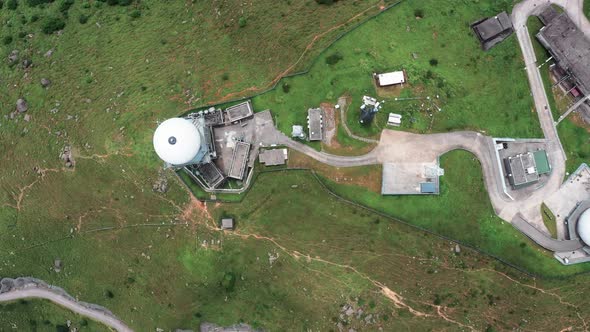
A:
273, 157
410, 178
315, 124
392, 78
570, 48
239, 160
542, 162
548, 14
208, 173
227, 223
491, 31
240, 111
521, 169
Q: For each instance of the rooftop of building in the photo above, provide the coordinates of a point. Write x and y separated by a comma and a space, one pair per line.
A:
570, 47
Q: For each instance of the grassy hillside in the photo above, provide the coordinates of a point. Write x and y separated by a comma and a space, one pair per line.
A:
153, 258
433, 42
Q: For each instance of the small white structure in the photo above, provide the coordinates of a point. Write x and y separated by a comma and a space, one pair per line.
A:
369, 101
177, 141
394, 119
297, 132
583, 227
392, 78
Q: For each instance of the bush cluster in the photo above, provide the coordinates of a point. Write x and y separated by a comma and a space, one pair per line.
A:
52, 25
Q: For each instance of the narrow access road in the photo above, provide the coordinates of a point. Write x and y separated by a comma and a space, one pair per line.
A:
69, 304
399, 147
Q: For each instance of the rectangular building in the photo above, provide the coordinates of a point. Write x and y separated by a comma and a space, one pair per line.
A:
239, 111
239, 160
315, 124
570, 48
273, 157
392, 78
524, 169
491, 31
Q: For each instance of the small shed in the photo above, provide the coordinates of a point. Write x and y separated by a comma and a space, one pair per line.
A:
227, 223
297, 132
392, 78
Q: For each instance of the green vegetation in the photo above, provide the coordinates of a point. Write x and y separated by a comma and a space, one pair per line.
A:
463, 212
549, 220
587, 8
167, 266
41, 315
469, 85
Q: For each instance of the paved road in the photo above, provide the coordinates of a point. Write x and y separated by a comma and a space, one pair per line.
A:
395, 146
74, 306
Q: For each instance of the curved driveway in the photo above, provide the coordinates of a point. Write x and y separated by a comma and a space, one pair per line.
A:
67, 303
400, 147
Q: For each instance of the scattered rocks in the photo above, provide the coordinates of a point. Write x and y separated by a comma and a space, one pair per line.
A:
45, 82
67, 157
21, 105
161, 184
49, 53
272, 258
53, 110
27, 117
57, 265
457, 249
210, 327
27, 63
13, 57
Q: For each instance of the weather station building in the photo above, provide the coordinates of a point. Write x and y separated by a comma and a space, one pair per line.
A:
391, 79
213, 146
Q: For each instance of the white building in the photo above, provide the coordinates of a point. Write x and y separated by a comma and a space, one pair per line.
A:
392, 78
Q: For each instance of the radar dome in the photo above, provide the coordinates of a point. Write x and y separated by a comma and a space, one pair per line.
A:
584, 227
177, 141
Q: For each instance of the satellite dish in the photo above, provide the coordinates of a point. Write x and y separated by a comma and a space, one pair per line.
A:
177, 141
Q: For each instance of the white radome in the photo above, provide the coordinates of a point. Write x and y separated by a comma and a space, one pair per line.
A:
177, 141
584, 227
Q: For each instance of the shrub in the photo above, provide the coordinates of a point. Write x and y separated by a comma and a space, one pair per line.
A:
135, 14
83, 19
334, 58
242, 22
34, 18
125, 2
7, 40
1, 4
433, 62
22, 34
419, 13
53, 24
326, 2
12, 4
65, 6
225, 76
286, 88
35, 3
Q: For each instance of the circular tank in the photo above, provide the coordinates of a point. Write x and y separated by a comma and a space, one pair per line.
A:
177, 141
584, 227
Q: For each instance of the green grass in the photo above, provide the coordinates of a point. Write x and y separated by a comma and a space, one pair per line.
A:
463, 212
113, 80
471, 83
549, 220
587, 8
306, 222
41, 315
